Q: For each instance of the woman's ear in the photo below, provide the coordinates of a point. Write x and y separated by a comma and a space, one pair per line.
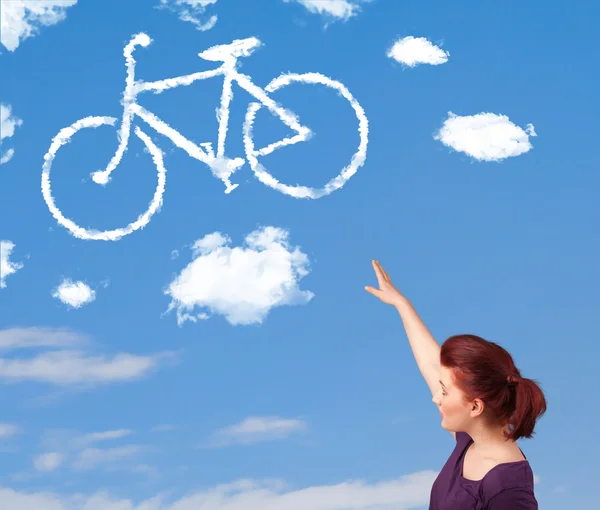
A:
477, 407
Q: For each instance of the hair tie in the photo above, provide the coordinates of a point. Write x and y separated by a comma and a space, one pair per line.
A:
513, 379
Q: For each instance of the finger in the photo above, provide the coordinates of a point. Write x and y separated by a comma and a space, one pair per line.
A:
384, 274
378, 273
373, 290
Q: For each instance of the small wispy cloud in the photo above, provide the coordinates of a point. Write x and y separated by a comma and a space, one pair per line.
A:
7, 267
71, 362
163, 428
95, 437
80, 452
411, 51
191, 11
47, 462
91, 458
337, 9
20, 19
242, 283
485, 136
8, 124
257, 429
74, 294
8, 430
26, 338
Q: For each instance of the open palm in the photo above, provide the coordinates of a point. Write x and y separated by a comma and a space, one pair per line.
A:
387, 293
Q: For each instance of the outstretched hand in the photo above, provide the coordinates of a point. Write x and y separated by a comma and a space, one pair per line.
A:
387, 293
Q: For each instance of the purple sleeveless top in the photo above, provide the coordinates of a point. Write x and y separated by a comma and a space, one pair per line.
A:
507, 486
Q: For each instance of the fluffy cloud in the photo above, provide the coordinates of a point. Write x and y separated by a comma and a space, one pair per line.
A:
257, 429
8, 123
20, 19
404, 493
485, 136
74, 294
6, 266
241, 283
339, 9
66, 365
191, 11
411, 51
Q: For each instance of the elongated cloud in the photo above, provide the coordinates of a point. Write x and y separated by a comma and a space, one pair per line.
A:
27, 338
404, 493
7, 267
20, 19
65, 368
411, 51
242, 283
74, 294
485, 136
91, 458
8, 123
257, 429
108, 435
338, 9
70, 363
192, 11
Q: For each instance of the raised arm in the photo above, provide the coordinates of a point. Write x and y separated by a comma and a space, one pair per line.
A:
424, 347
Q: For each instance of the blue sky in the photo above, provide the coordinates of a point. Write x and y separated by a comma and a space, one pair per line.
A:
288, 386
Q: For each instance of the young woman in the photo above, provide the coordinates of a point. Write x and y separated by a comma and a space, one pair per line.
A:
486, 405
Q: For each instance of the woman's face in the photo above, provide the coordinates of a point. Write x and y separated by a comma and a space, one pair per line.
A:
455, 413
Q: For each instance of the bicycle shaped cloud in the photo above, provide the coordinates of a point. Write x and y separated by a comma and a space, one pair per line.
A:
221, 166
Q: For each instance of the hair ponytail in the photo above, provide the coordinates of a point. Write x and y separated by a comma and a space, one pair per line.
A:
484, 370
529, 407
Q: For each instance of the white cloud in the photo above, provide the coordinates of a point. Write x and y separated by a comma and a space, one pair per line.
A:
8, 430
68, 366
24, 338
257, 429
20, 19
8, 123
412, 51
74, 294
339, 9
241, 283
91, 458
191, 11
86, 440
79, 453
7, 267
47, 462
485, 136
404, 493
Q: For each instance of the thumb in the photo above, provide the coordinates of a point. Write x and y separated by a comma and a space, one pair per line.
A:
373, 290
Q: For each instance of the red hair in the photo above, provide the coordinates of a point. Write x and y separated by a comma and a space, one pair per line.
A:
484, 370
